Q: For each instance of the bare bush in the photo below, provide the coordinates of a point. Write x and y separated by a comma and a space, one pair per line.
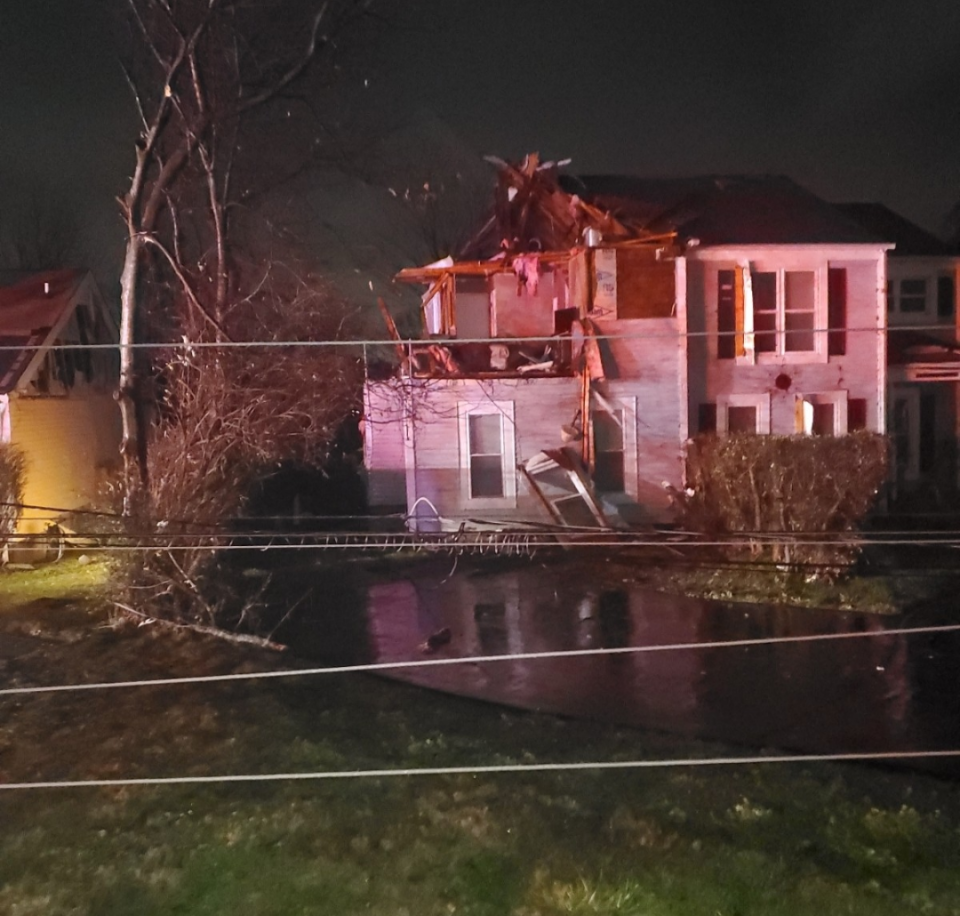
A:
227, 416
789, 495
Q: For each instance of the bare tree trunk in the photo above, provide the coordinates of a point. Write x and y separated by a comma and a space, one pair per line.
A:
131, 447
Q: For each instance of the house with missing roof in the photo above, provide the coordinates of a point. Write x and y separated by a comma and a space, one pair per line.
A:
56, 398
595, 324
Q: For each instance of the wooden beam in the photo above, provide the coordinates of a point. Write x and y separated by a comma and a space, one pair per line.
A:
392, 328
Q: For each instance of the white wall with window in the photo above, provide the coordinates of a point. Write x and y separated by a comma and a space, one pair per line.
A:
743, 413
780, 306
488, 454
784, 308
822, 414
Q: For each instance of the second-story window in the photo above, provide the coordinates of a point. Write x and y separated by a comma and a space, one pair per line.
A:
784, 311
796, 315
912, 295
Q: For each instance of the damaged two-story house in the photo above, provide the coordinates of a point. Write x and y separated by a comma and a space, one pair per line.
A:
596, 324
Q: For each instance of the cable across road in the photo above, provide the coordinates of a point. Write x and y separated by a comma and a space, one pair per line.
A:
481, 769
375, 667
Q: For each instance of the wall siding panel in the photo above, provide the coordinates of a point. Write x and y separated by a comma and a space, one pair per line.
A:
541, 407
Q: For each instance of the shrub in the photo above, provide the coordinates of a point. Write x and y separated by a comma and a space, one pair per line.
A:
13, 472
806, 490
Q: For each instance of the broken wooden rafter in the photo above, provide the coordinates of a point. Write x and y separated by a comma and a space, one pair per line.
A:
392, 328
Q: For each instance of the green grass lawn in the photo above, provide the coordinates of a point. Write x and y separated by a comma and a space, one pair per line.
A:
769, 840
772, 839
68, 579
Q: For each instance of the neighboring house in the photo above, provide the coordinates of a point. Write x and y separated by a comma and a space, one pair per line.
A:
924, 353
56, 400
596, 324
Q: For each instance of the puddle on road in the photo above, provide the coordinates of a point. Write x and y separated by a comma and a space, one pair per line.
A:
870, 694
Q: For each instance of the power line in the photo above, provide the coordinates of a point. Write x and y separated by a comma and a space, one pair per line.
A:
489, 769
297, 541
478, 659
391, 344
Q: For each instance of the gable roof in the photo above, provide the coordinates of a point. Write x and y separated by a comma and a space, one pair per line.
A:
724, 209
910, 239
32, 307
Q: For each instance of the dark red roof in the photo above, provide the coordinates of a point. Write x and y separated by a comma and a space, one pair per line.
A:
30, 307
38, 300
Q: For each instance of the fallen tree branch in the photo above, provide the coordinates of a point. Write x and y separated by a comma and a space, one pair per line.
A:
242, 638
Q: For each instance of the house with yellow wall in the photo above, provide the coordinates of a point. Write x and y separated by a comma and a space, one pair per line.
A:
58, 370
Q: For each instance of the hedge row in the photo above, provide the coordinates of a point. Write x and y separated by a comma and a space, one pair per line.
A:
788, 495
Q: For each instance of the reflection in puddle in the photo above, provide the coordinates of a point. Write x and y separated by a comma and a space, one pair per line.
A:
836, 696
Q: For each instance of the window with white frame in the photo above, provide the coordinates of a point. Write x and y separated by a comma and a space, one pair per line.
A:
910, 295
488, 452
766, 312
822, 414
922, 297
743, 413
784, 311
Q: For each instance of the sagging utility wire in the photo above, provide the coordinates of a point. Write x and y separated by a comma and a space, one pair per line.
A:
480, 659
488, 769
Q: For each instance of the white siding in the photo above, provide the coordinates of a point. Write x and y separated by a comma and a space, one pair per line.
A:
540, 408
860, 371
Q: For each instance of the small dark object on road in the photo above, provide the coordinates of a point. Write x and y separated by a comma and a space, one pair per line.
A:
435, 640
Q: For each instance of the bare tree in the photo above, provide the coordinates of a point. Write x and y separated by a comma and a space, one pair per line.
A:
214, 82
226, 416
204, 76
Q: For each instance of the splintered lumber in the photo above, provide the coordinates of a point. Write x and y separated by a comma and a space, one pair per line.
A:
391, 327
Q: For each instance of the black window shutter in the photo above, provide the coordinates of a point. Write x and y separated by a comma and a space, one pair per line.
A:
856, 414
945, 293
707, 418
726, 314
837, 311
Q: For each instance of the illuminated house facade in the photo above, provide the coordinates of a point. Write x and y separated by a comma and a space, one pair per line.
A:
596, 324
56, 402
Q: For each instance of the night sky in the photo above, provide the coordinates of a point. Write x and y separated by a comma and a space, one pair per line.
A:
856, 99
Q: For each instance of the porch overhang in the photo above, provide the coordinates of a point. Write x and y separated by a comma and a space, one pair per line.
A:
932, 372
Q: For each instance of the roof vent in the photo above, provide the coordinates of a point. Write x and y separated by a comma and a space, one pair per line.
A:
46, 287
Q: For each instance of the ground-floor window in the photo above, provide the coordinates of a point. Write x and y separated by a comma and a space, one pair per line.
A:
488, 451
608, 451
822, 414
743, 413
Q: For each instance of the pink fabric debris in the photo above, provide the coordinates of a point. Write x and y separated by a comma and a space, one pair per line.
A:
527, 269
